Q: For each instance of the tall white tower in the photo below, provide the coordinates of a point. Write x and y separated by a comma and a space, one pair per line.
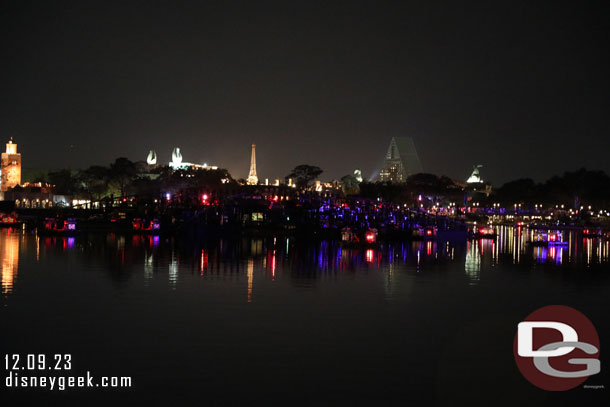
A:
252, 178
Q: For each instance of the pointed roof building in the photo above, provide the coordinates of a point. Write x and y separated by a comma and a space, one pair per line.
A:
401, 160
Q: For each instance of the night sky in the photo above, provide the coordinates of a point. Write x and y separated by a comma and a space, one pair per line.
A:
520, 87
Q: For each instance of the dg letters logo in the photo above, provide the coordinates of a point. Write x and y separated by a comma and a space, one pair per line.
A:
556, 348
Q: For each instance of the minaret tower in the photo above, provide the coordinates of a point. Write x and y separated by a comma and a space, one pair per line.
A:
252, 178
10, 167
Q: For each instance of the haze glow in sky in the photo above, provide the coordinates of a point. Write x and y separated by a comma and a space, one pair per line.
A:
521, 88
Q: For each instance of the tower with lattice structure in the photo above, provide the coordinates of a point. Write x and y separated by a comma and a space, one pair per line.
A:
252, 177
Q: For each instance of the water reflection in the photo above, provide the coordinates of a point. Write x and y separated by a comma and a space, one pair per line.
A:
302, 262
250, 278
173, 271
553, 254
472, 266
595, 250
148, 267
203, 262
9, 252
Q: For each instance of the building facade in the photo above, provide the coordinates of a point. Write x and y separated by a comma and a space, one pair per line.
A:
10, 167
401, 161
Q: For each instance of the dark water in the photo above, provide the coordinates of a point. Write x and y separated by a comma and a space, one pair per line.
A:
254, 321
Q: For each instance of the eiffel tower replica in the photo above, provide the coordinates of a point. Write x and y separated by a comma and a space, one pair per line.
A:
252, 178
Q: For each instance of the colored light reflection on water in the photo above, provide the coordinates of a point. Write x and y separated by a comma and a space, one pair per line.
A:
251, 311
9, 252
203, 262
510, 246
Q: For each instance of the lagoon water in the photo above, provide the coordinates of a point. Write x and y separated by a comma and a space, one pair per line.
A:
283, 321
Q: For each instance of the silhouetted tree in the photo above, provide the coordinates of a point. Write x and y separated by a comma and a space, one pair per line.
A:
303, 174
65, 183
350, 185
94, 181
520, 190
122, 173
571, 188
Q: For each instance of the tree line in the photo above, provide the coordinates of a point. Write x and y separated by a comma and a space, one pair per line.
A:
576, 188
581, 187
124, 177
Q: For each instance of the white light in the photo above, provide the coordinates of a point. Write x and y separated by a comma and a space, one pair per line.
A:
176, 157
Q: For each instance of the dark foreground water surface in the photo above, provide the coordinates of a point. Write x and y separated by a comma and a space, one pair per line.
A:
278, 321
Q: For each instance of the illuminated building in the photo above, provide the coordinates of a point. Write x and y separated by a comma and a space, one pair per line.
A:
152, 158
10, 170
475, 176
252, 177
178, 164
176, 158
401, 160
35, 195
474, 183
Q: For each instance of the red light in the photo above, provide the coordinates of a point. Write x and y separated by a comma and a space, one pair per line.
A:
370, 237
553, 237
205, 197
429, 232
